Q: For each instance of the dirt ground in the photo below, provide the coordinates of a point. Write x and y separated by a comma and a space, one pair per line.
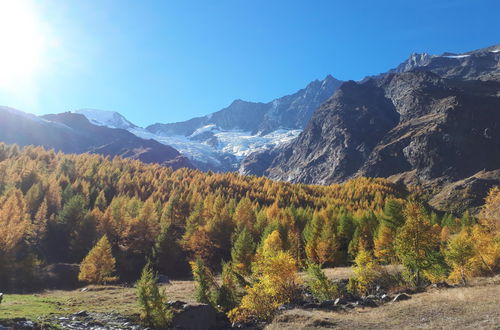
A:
473, 307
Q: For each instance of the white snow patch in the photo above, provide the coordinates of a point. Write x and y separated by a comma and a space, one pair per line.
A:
107, 118
457, 56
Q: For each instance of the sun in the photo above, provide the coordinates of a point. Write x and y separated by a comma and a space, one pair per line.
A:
22, 42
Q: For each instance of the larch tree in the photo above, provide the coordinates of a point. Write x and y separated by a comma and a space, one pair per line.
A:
99, 265
417, 242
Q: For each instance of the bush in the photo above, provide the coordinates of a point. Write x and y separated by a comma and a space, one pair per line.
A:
154, 311
276, 283
366, 273
322, 288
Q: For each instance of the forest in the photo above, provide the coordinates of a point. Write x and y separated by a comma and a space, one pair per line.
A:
121, 218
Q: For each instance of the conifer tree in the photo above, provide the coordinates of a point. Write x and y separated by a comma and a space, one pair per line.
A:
204, 282
152, 302
242, 251
417, 242
459, 255
99, 265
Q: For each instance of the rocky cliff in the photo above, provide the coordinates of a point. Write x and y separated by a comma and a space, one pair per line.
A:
434, 120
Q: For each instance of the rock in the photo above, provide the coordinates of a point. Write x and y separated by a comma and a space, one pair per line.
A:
176, 304
340, 301
163, 279
441, 285
81, 314
412, 127
285, 307
385, 298
327, 304
401, 297
367, 302
350, 305
195, 317
311, 305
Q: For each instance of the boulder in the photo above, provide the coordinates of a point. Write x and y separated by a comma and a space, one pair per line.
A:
340, 301
327, 304
195, 317
311, 305
368, 302
176, 304
401, 297
162, 279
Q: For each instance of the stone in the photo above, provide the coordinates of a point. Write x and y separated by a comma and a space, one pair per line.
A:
401, 297
177, 304
340, 301
162, 279
385, 298
195, 317
81, 314
327, 304
368, 302
311, 305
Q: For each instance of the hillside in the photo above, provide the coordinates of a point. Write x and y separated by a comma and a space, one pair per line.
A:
428, 122
220, 140
73, 133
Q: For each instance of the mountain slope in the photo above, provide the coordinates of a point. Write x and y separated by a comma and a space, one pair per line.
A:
288, 112
430, 121
110, 119
219, 141
73, 133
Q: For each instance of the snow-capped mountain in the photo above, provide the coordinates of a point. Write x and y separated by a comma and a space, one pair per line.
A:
74, 133
220, 140
110, 119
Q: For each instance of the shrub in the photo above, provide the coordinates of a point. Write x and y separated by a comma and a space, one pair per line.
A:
322, 288
152, 301
459, 255
366, 272
276, 283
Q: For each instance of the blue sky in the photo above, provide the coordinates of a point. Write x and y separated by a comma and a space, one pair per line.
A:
166, 61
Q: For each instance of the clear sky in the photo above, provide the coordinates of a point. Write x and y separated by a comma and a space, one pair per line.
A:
166, 60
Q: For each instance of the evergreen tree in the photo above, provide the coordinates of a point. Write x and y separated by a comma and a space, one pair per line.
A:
152, 302
417, 242
242, 251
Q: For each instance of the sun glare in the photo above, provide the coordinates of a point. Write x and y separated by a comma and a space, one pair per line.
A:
22, 42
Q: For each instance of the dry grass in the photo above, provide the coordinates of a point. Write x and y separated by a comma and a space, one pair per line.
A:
477, 306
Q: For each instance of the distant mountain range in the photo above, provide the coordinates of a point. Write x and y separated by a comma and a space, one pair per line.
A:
220, 140
434, 121
73, 133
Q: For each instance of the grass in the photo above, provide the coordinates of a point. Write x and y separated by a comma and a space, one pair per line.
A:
470, 307
115, 299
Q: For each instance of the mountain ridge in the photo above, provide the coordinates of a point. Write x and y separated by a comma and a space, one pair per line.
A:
74, 133
427, 122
